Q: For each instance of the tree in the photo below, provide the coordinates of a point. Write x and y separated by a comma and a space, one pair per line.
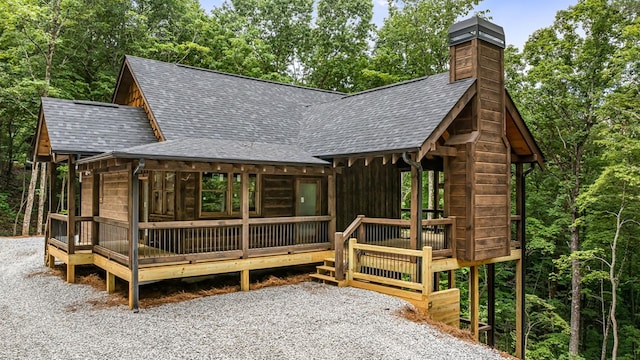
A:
414, 39
568, 71
340, 44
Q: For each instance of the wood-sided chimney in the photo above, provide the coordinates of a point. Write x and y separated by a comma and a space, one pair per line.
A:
479, 187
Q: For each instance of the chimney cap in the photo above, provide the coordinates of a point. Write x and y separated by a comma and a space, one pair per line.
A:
476, 27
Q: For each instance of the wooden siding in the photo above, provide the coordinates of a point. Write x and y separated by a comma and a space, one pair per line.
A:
492, 175
115, 196
128, 93
278, 195
187, 192
477, 180
86, 196
372, 190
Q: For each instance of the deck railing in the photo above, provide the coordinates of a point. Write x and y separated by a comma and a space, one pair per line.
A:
404, 269
113, 238
289, 233
189, 240
58, 231
439, 234
202, 240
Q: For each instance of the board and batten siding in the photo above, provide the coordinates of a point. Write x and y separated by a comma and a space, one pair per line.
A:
373, 191
278, 196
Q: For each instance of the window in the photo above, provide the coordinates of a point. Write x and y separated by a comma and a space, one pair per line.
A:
221, 194
162, 193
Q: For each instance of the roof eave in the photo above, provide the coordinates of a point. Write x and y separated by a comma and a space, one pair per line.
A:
125, 155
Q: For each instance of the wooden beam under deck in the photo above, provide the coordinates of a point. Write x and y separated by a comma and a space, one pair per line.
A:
227, 266
454, 264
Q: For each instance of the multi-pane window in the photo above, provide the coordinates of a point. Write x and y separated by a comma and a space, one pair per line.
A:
162, 192
221, 193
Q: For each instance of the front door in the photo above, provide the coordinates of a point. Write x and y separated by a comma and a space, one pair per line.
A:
308, 203
308, 197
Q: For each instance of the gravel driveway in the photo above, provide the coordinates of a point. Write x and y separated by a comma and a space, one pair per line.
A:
304, 321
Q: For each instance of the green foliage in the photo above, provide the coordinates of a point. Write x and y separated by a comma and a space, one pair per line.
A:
413, 40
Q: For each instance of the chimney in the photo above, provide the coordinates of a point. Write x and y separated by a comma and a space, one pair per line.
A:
466, 40
484, 159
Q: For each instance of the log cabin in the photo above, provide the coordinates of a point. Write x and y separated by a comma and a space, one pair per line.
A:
191, 172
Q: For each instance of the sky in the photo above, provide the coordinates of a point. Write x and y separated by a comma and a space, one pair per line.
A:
519, 18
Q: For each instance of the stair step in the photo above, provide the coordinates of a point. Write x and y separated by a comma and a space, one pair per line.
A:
328, 279
329, 260
326, 268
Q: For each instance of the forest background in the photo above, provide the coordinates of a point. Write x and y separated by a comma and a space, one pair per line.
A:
576, 83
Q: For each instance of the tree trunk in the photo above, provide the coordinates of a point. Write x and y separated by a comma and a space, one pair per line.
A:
26, 221
41, 197
605, 324
614, 286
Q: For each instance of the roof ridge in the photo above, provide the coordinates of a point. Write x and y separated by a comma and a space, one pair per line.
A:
88, 102
242, 76
258, 79
384, 87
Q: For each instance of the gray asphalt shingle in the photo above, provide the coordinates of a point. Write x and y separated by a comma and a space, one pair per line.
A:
213, 150
189, 102
90, 127
398, 117
224, 117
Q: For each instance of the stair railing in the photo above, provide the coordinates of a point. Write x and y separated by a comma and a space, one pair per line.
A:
341, 247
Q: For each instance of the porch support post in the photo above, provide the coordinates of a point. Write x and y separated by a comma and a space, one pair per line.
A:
95, 206
491, 304
111, 283
245, 216
331, 206
415, 202
338, 244
71, 217
474, 301
134, 209
52, 173
519, 310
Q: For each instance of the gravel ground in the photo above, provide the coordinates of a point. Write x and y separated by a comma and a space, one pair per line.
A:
304, 321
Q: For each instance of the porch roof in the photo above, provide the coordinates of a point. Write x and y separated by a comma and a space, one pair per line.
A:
213, 150
87, 127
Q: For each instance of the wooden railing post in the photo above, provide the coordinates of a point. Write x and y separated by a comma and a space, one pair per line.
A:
352, 259
452, 236
427, 282
339, 256
245, 214
362, 238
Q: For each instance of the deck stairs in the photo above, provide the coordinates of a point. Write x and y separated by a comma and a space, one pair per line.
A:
326, 273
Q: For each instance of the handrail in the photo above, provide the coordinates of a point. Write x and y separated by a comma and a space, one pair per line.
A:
230, 222
346, 234
57, 216
288, 220
425, 222
114, 222
189, 224
64, 217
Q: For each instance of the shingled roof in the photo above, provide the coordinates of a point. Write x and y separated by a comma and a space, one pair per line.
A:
224, 117
192, 103
393, 118
213, 150
86, 127
189, 102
